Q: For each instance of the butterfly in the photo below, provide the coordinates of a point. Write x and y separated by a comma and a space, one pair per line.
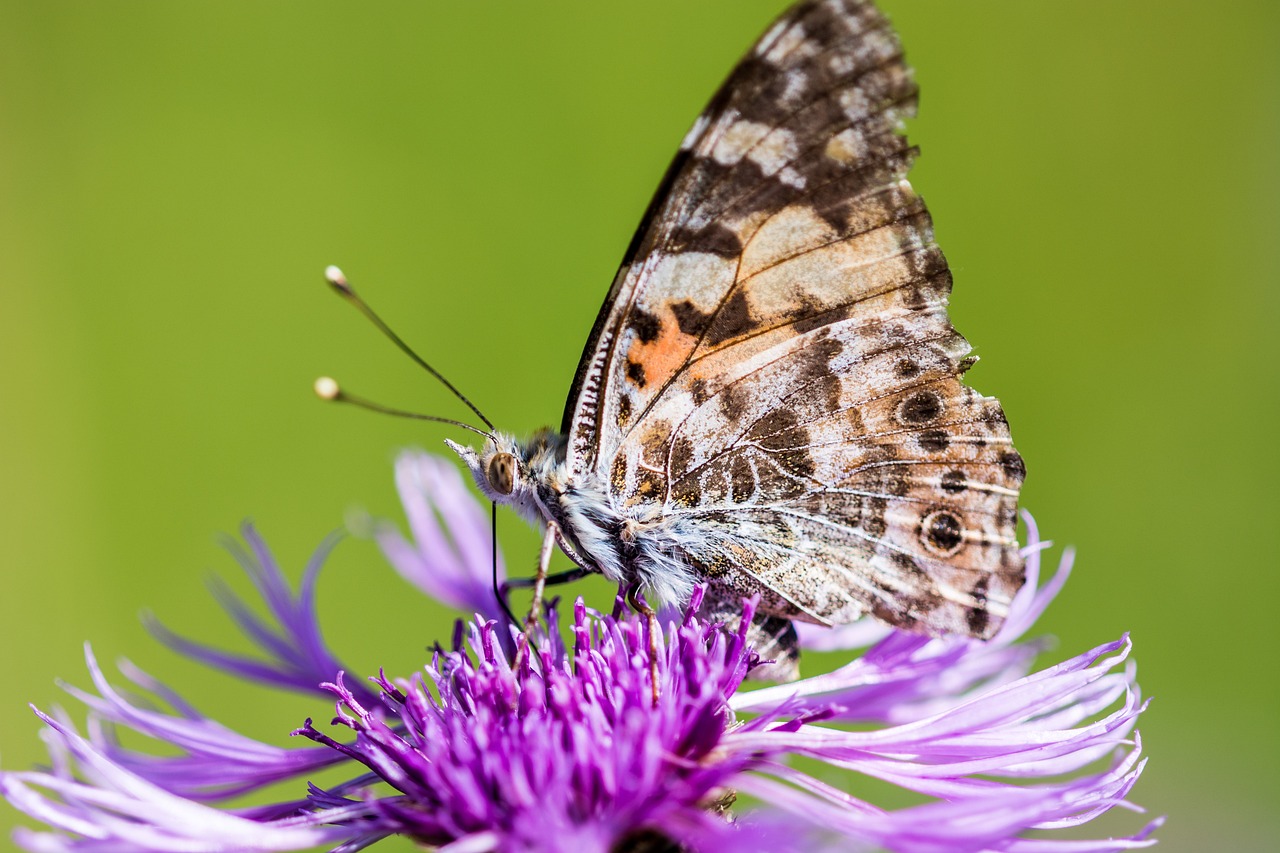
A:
770, 402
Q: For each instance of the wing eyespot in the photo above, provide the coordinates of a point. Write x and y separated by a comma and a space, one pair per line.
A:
942, 533
921, 407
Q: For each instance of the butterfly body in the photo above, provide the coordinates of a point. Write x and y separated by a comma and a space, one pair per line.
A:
770, 401
625, 544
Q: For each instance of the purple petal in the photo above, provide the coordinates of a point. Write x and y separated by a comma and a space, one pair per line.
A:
1037, 727
297, 657
216, 762
116, 810
990, 820
451, 555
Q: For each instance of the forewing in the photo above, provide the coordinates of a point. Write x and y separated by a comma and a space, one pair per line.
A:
775, 369
827, 75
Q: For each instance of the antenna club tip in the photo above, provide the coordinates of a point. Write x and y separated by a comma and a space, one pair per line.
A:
326, 388
336, 279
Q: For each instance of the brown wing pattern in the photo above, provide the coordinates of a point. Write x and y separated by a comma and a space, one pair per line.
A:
775, 369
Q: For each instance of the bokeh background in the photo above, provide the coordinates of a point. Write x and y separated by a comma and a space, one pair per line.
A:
174, 177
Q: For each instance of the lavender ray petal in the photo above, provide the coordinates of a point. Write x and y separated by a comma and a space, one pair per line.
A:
217, 763
450, 556
237, 665
1136, 841
116, 809
298, 658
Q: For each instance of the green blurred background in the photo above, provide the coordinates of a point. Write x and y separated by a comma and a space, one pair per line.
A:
174, 177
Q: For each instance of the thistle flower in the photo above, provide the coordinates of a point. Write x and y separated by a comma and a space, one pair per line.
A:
511, 743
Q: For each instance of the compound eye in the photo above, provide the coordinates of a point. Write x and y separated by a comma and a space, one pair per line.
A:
502, 473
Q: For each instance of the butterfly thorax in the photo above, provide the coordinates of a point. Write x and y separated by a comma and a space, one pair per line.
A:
633, 544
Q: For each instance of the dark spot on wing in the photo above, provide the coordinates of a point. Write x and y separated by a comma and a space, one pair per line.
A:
787, 443
858, 512
775, 421
829, 349
649, 484
715, 239
686, 492
905, 564
921, 294
873, 521
924, 262
645, 325
854, 423
734, 401
698, 390
819, 318
742, 477
836, 214
920, 408
635, 372
1013, 465
733, 319
815, 363
681, 455
906, 369
832, 391
624, 410
943, 531
954, 482
796, 461
690, 320
873, 517
884, 479
978, 617
933, 441
995, 416
893, 615
922, 597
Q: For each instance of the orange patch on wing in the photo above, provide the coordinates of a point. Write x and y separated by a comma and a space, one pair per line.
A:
663, 356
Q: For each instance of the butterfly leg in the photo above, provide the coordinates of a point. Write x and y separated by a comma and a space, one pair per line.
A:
540, 578
642, 607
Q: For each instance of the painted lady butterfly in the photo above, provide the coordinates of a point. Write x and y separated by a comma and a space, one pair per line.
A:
770, 401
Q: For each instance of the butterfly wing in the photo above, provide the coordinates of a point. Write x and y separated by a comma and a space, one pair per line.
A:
774, 369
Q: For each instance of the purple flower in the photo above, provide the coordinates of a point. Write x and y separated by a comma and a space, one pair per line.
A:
516, 744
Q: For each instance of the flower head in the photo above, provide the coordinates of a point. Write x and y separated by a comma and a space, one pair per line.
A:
508, 742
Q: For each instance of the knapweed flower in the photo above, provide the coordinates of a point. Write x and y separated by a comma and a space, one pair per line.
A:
509, 743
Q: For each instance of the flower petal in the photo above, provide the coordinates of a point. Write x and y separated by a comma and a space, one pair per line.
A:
297, 657
451, 556
215, 763
119, 810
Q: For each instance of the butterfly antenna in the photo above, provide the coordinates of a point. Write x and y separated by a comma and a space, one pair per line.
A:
328, 389
343, 288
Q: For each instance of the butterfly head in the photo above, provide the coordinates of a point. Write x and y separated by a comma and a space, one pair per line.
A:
508, 471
